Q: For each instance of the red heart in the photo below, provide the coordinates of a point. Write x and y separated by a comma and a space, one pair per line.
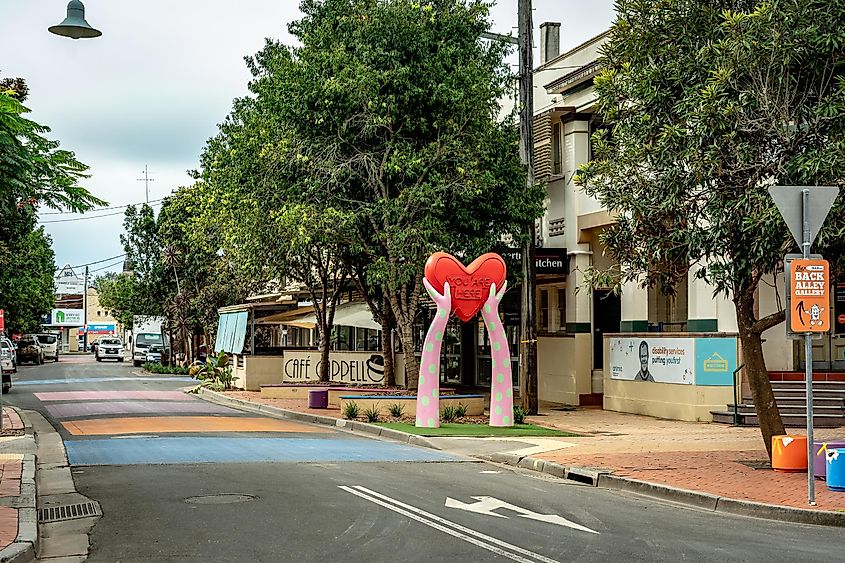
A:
469, 286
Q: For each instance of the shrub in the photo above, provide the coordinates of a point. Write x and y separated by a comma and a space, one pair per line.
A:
372, 414
396, 410
350, 411
461, 410
450, 413
169, 370
518, 415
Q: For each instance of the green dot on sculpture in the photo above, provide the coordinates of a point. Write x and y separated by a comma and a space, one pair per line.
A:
422, 380
500, 377
441, 313
487, 308
498, 409
431, 422
438, 336
435, 393
498, 397
506, 420
425, 401
432, 368
509, 392
430, 347
494, 363
507, 363
497, 346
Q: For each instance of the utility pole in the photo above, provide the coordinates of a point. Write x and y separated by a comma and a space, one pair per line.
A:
146, 179
85, 312
528, 385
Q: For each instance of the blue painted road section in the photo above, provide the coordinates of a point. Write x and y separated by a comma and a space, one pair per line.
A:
96, 380
155, 451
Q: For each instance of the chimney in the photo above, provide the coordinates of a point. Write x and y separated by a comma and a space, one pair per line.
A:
549, 41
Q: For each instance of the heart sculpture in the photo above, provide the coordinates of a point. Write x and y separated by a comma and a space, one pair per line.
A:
469, 286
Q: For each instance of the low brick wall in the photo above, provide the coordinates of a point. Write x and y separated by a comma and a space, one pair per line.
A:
287, 391
475, 403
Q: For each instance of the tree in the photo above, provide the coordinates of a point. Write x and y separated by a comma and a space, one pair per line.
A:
116, 293
27, 269
706, 104
34, 172
391, 111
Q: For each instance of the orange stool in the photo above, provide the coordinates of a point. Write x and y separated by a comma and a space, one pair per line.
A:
789, 453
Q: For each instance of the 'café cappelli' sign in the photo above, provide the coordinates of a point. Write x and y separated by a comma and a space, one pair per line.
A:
344, 367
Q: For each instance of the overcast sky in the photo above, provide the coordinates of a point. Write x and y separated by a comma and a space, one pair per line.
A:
151, 90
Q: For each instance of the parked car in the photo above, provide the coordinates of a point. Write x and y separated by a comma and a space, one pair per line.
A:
14, 347
109, 348
50, 343
6, 349
30, 350
153, 354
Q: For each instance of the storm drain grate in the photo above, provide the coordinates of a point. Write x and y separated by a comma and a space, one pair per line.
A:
69, 512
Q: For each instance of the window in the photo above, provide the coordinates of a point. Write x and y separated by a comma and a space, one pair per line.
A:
557, 155
99, 313
544, 323
668, 313
561, 309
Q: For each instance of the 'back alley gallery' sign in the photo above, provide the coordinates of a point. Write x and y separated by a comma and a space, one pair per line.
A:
344, 367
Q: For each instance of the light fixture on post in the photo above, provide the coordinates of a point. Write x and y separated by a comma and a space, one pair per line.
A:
74, 25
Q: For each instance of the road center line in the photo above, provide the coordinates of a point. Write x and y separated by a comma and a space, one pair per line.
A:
448, 527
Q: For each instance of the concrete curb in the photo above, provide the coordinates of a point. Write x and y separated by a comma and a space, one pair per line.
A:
25, 546
349, 425
705, 501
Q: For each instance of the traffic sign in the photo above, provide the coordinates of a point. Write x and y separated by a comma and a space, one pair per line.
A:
789, 200
809, 291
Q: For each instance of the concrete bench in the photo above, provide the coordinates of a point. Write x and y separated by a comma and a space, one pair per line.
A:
474, 403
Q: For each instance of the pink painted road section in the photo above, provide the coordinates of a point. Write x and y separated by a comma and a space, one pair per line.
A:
68, 410
111, 396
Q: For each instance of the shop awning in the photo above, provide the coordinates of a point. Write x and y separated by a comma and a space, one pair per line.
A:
355, 314
231, 332
286, 317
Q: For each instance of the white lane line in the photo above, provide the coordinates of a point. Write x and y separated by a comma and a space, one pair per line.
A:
447, 526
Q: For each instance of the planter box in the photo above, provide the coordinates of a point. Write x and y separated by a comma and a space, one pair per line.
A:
475, 403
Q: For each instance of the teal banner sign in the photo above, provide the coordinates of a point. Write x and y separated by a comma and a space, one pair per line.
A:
715, 361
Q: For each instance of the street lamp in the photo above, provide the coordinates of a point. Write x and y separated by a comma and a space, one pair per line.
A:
74, 25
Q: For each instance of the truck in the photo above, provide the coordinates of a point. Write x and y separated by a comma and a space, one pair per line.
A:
146, 337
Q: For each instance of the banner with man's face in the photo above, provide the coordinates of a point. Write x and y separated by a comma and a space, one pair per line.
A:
657, 360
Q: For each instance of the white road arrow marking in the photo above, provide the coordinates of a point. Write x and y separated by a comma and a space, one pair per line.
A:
486, 505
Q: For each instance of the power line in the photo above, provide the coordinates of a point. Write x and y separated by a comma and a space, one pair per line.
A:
101, 208
106, 267
89, 217
94, 262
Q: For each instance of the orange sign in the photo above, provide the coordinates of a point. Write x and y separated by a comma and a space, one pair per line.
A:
809, 289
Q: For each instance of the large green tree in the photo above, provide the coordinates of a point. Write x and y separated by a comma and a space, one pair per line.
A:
390, 108
34, 173
706, 104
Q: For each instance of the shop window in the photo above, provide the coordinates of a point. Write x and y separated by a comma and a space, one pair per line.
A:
544, 324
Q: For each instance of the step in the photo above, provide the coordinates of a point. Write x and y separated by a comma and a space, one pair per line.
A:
791, 421
795, 409
799, 393
817, 401
802, 385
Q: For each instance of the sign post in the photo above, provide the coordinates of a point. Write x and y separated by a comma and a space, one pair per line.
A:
804, 209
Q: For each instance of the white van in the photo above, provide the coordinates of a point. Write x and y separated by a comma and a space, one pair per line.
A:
50, 344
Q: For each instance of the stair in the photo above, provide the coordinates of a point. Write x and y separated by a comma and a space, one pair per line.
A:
828, 405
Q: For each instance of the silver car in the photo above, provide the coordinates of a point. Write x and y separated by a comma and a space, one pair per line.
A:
109, 349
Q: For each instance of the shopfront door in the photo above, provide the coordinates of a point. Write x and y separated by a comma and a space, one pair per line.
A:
607, 316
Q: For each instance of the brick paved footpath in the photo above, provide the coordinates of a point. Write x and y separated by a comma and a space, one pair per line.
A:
11, 466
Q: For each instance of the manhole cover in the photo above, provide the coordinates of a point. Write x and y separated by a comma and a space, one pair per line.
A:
222, 498
756, 463
69, 512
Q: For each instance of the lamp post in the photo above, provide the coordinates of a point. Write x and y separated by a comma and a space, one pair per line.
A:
74, 25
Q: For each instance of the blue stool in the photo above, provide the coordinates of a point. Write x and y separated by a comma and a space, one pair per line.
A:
835, 459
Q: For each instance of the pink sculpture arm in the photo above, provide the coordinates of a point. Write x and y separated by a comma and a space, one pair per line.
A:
428, 387
501, 387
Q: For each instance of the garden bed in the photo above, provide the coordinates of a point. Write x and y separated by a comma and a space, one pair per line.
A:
476, 429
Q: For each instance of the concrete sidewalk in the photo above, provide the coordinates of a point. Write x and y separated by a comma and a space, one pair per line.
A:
18, 517
702, 464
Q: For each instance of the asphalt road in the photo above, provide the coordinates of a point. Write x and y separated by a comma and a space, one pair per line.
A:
183, 480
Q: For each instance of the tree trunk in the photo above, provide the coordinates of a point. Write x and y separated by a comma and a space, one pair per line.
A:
387, 325
765, 405
325, 345
412, 366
